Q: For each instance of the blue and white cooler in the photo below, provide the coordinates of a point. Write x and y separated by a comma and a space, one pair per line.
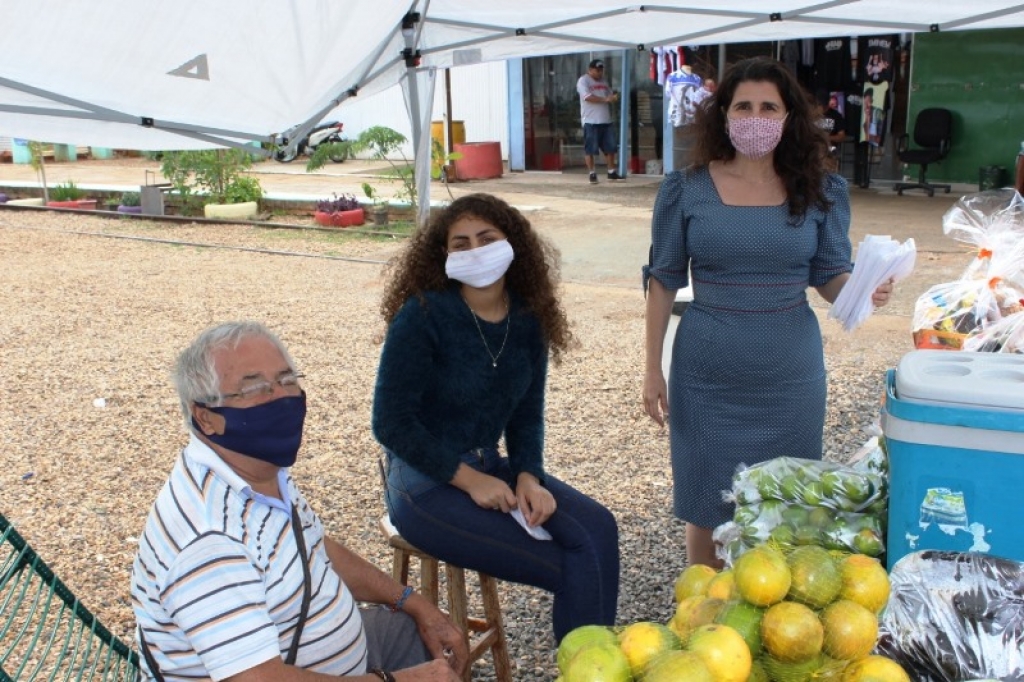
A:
954, 427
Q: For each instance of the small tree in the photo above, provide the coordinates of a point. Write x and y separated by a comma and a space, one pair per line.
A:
38, 161
382, 143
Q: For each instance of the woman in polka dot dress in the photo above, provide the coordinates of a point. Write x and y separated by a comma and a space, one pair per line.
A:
753, 223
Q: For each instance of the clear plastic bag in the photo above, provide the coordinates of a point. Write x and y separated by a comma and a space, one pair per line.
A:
791, 502
1003, 336
955, 616
990, 222
947, 314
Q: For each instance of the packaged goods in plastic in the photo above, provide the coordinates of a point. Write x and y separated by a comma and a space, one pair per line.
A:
955, 616
794, 502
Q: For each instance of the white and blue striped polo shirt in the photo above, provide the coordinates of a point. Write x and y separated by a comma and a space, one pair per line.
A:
217, 585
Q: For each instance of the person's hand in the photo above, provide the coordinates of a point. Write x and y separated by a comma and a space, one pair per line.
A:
614, 97
882, 294
535, 501
431, 671
656, 396
491, 493
443, 640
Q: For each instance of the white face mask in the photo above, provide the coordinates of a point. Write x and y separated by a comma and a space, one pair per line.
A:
482, 266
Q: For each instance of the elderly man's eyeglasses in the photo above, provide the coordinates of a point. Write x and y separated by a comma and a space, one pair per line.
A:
263, 387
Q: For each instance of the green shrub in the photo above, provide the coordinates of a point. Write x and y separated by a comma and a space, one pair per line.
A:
67, 191
217, 173
131, 199
243, 189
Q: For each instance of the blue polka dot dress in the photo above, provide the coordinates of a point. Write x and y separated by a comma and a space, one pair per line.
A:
747, 381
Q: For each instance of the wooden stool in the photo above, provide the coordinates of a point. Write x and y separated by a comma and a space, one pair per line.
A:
482, 634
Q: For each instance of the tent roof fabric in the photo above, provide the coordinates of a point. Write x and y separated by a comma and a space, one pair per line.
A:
191, 74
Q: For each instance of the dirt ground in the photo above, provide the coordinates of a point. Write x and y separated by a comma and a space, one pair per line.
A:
602, 231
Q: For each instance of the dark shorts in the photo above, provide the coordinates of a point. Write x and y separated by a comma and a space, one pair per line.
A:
599, 137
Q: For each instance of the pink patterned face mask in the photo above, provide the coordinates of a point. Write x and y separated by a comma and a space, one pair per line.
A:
754, 136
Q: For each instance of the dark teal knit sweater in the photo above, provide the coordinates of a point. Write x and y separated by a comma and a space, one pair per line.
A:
438, 395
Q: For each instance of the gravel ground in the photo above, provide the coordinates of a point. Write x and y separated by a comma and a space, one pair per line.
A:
86, 317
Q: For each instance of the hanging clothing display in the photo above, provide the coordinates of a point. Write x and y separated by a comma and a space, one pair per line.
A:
832, 60
680, 88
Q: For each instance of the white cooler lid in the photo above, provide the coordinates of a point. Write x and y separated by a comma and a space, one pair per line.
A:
985, 380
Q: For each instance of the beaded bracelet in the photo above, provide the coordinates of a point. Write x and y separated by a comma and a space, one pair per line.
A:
401, 600
383, 674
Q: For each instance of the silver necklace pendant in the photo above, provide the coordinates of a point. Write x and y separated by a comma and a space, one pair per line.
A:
480, 331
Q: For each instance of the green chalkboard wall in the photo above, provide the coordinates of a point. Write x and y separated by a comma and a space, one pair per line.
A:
979, 75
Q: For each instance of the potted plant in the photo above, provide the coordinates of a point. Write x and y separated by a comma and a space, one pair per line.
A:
69, 195
341, 211
131, 202
379, 212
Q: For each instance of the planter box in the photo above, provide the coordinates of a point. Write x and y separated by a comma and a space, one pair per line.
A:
37, 201
137, 210
340, 218
79, 204
244, 210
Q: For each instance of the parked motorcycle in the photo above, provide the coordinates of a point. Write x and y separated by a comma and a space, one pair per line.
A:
326, 133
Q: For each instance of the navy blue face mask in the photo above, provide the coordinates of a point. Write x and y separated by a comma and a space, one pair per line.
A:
270, 432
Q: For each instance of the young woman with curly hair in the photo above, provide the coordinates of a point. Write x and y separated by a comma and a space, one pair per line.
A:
472, 318
755, 222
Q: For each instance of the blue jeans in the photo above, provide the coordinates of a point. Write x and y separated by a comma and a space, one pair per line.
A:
579, 566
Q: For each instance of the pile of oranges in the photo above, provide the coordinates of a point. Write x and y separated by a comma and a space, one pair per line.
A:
807, 615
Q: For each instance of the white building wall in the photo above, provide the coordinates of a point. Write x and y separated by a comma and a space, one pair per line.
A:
479, 99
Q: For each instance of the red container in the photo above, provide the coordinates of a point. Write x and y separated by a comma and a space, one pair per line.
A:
340, 218
480, 160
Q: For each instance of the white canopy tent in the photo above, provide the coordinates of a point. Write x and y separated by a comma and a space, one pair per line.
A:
193, 74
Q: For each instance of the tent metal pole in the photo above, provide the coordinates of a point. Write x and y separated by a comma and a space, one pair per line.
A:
627, 77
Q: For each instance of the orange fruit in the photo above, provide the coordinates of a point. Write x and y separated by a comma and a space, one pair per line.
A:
816, 581
875, 669
693, 581
722, 586
865, 582
723, 651
694, 612
791, 632
780, 671
644, 641
678, 665
762, 576
745, 619
757, 672
576, 639
599, 663
851, 631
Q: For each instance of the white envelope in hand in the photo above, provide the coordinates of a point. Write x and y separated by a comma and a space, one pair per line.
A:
879, 259
535, 531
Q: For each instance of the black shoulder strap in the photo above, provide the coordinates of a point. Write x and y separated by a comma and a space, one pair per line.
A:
154, 669
307, 585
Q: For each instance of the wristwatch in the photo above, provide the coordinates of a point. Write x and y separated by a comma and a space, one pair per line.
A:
383, 674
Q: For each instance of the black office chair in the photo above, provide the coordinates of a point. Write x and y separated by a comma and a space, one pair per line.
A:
932, 131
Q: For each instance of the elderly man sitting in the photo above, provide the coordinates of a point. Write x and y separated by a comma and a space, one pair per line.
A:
234, 577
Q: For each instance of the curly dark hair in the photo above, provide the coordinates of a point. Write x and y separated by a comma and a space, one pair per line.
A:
799, 158
532, 277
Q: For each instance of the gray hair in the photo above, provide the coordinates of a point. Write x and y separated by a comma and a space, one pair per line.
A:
195, 373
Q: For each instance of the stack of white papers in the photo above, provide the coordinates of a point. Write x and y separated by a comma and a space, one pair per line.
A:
879, 259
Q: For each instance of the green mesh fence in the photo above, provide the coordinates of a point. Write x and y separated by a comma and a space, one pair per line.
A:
45, 632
